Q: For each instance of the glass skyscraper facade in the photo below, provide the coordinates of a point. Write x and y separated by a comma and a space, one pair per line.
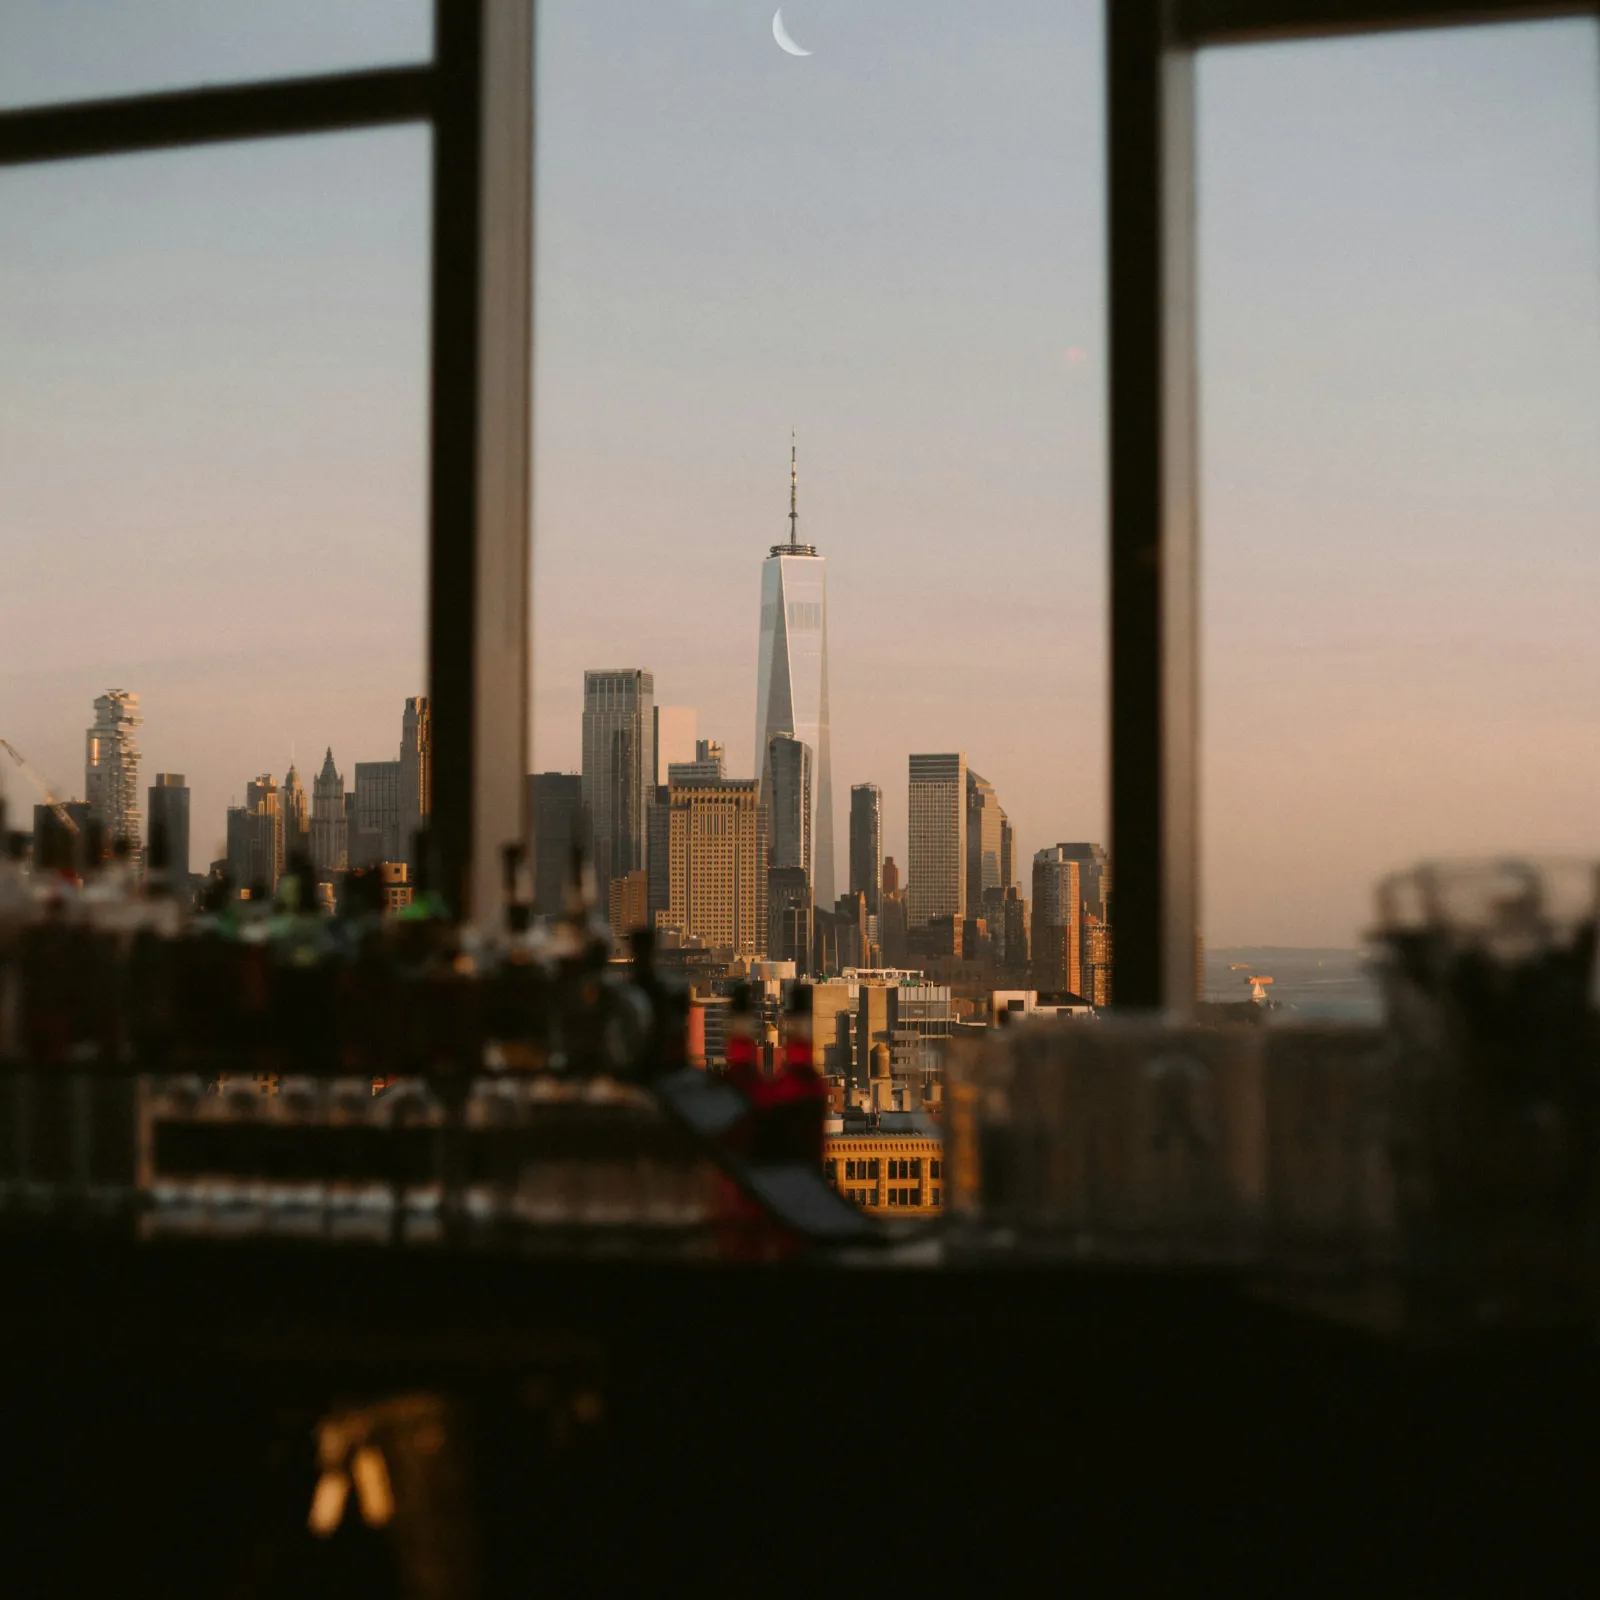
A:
866, 842
619, 769
792, 676
937, 836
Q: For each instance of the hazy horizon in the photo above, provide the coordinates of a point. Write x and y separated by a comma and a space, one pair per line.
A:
213, 414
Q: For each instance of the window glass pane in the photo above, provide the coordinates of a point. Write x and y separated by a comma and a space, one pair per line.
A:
895, 246
213, 462
54, 50
1400, 327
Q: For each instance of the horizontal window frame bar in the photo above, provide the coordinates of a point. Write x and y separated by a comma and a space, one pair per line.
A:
1197, 23
183, 118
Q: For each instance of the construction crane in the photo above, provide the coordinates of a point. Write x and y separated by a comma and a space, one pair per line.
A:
36, 778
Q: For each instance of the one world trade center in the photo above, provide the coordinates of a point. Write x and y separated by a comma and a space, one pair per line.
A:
792, 676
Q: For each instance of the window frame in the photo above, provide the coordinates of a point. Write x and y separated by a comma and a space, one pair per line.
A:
1152, 440
476, 96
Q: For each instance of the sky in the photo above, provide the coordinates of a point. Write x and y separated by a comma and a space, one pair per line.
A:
213, 419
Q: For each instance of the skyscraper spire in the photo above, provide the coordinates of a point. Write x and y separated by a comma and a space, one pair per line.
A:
794, 492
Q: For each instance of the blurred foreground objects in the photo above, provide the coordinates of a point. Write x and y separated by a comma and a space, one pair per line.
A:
1448, 1155
1489, 978
265, 1068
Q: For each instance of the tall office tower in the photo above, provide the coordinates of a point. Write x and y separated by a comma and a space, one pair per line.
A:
992, 908
866, 842
111, 765
707, 764
416, 775
790, 920
893, 938
1094, 891
1095, 875
891, 876
263, 798
937, 865
1097, 941
362, 850
675, 737
856, 945
629, 902
557, 822
296, 816
792, 674
659, 828
378, 810
986, 825
1057, 921
786, 782
1071, 887
250, 847
719, 864
330, 828
619, 737
1014, 953
255, 838
1008, 852
168, 805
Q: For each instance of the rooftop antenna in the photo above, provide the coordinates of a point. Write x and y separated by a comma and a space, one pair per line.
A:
794, 492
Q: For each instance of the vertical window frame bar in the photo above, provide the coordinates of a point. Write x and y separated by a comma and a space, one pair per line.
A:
1152, 442
1152, 521
479, 647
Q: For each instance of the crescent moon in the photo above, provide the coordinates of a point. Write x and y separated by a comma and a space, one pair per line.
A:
781, 34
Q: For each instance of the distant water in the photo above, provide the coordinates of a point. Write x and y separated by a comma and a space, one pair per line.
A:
1309, 985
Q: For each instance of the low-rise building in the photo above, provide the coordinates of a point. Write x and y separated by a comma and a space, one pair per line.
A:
1015, 1004
397, 889
889, 1163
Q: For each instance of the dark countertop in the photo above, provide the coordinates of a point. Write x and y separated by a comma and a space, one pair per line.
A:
645, 1427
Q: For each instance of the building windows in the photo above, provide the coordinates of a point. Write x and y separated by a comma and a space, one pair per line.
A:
933, 1168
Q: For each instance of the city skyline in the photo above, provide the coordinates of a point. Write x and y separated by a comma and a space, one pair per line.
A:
213, 415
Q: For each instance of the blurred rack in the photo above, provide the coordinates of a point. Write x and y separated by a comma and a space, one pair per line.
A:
492, 1160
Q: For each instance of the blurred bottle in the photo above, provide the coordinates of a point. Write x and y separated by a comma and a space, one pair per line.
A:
791, 1127
304, 977
517, 1005
665, 1048
152, 969
744, 1066
16, 910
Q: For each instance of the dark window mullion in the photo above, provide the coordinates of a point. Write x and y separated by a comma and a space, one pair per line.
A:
180, 118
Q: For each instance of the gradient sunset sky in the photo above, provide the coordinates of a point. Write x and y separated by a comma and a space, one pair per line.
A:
213, 413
